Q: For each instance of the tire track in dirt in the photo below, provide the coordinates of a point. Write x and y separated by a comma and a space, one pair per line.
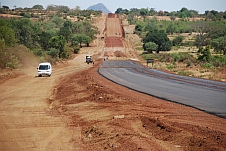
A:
26, 121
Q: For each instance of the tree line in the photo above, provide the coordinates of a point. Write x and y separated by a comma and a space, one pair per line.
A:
210, 30
54, 39
183, 13
207, 33
38, 11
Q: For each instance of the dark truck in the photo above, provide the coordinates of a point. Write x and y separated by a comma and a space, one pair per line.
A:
89, 59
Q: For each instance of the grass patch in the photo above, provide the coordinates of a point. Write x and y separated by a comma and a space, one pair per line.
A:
185, 73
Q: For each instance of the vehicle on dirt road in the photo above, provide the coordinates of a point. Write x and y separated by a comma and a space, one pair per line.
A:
44, 69
89, 60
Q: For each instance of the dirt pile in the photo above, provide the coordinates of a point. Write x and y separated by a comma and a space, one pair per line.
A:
114, 117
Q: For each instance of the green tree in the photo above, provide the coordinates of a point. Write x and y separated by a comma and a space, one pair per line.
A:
90, 30
85, 28
139, 27
209, 16
58, 42
26, 32
66, 30
184, 13
48, 25
118, 11
171, 28
152, 12
58, 21
178, 40
150, 46
87, 40
151, 25
38, 7
144, 12
44, 39
122, 11
207, 30
53, 52
160, 38
219, 44
27, 15
205, 55
8, 35
203, 29
80, 38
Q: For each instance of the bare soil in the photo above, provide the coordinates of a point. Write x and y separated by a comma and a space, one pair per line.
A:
112, 117
77, 109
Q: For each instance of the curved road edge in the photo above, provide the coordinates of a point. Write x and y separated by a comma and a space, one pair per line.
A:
199, 97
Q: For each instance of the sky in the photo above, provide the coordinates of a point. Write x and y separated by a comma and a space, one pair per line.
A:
165, 5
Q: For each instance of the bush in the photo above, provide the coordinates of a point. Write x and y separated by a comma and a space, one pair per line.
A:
150, 46
13, 62
207, 65
38, 52
65, 54
170, 66
22, 14
7, 59
178, 40
180, 57
76, 50
205, 54
53, 52
218, 61
185, 73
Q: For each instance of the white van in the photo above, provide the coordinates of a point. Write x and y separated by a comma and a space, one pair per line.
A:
44, 69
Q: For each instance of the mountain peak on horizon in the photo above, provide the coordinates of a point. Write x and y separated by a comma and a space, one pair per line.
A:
100, 7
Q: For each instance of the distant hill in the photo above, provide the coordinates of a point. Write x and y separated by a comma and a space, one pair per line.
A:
99, 6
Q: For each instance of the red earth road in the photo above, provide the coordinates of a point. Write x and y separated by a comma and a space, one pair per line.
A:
77, 109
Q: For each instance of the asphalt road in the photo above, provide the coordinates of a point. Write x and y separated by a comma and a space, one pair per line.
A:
205, 95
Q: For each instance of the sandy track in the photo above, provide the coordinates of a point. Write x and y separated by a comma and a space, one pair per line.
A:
26, 119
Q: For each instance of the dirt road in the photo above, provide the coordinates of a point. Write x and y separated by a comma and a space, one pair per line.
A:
26, 119
77, 109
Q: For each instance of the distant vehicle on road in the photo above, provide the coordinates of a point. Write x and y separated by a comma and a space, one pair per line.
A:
44, 69
89, 60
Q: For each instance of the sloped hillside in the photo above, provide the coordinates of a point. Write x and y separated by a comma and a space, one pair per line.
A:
100, 7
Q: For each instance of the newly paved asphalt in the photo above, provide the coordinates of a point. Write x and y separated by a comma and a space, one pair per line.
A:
205, 95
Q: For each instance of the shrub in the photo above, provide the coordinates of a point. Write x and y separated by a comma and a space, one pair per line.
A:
207, 65
170, 66
13, 62
38, 52
76, 50
185, 73
178, 40
53, 52
218, 61
22, 14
